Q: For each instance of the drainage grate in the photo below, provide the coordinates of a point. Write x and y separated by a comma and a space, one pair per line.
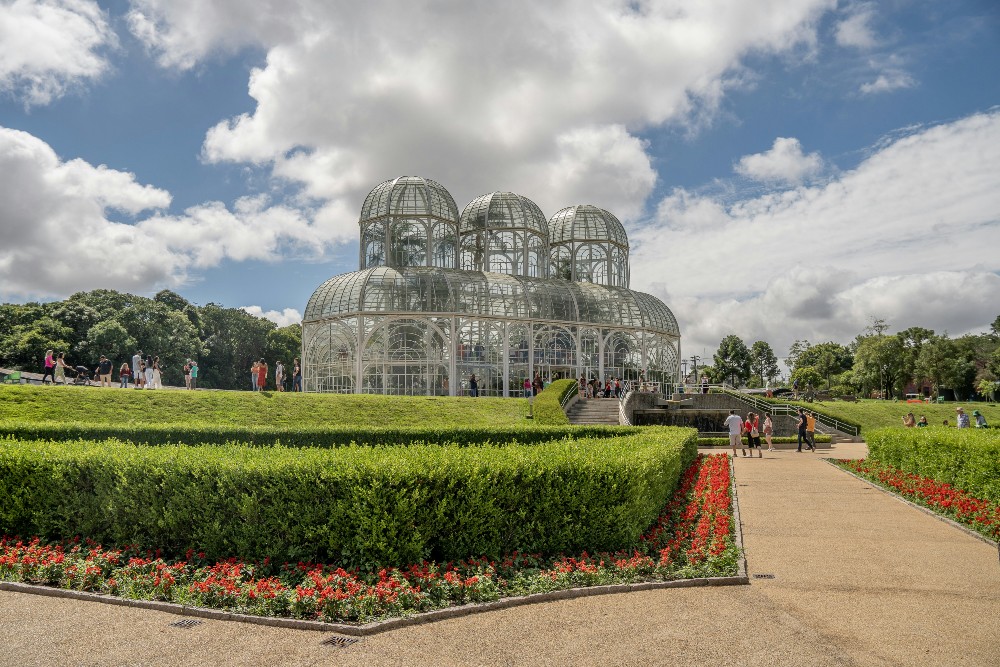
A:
763, 576
742, 485
338, 641
186, 623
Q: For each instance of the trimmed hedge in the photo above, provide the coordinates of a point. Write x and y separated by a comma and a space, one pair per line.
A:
353, 505
548, 404
968, 459
157, 434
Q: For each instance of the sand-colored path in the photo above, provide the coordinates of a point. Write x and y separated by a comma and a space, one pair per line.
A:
860, 579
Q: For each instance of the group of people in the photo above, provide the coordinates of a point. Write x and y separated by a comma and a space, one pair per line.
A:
145, 371
961, 417
594, 388
258, 375
753, 429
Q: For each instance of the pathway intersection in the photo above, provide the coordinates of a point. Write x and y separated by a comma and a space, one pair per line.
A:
859, 579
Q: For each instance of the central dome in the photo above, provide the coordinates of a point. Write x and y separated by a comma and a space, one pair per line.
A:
503, 232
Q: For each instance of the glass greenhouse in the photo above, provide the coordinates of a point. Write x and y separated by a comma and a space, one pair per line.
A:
532, 297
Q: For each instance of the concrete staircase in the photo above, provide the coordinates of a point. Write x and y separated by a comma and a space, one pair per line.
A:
593, 411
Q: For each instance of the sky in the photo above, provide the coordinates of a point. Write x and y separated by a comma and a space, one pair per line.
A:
785, 169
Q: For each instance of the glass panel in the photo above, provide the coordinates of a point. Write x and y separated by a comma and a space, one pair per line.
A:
408, 241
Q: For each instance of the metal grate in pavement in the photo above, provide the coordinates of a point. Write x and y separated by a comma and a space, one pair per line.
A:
763, 576
186, 623
339, 641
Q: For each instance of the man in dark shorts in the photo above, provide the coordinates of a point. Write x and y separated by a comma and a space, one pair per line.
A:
802, 429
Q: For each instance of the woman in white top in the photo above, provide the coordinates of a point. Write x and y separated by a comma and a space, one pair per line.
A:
156, 374
768, 432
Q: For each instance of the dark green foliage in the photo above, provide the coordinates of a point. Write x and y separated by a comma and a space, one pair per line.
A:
353, 505
968, 459
548, 404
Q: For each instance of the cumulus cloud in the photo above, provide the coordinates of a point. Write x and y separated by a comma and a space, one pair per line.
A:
49, 45
917, 222
855, 30
60, 233
353, 94
282, 318
784, 163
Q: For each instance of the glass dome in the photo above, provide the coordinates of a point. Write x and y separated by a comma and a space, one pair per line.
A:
503, 232
409, 221
588, 244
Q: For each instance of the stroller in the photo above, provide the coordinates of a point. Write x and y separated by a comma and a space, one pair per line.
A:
82, 375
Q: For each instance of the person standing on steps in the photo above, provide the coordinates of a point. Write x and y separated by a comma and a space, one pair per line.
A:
802, 429
735, 426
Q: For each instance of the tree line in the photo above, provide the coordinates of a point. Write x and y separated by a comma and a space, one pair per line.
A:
224, 341
876, 361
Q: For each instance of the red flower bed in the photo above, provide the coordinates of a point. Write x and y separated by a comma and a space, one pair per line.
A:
983, 516
691, 538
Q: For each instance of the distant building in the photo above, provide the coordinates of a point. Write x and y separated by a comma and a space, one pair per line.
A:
498, 291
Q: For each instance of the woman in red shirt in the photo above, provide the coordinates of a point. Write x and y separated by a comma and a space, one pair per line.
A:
752, 428
261, 375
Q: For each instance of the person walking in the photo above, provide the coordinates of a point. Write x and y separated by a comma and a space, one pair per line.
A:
194, 375
735, 426
123, 376
768, 432
473, 386
50, 367
752, 428
137, 369
811, 430
279, 376
149, 372
802, 429
296, 376
261, 375
104, 367
61, 367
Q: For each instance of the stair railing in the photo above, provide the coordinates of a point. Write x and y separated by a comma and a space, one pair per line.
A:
786, 409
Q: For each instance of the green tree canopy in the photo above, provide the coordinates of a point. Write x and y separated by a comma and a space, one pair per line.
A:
763, 363
732, 360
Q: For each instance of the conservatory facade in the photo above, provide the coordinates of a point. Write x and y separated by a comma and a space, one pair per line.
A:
497, 291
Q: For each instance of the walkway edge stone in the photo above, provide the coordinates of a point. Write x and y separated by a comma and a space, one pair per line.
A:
741, 579
925, 510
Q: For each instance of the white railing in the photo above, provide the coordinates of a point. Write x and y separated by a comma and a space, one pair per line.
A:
786, 409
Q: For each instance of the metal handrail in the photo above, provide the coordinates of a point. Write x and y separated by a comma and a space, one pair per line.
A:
569, 395
787, 409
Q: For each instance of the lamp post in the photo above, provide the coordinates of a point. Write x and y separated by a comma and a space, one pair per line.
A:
694, 361
684, 366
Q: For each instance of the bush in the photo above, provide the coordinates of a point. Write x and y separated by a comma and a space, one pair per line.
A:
548, 403
336, 436
354, 505
968, 459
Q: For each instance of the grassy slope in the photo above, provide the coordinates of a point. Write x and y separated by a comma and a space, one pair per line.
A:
121, 406
871, 414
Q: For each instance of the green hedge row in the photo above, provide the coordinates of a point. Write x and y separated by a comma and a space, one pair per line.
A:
968, 459
547, 408
336, 436
353, 505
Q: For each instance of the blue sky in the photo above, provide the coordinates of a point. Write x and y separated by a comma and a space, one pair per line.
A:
785, 169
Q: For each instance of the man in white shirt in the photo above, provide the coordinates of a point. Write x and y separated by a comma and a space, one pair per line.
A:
735, 425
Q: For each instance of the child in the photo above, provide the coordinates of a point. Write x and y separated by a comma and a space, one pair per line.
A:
124, 373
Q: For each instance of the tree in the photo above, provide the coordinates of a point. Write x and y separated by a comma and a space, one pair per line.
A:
995, 327
913, 339
108, 337
763, 363
878, 362
732, 359
941, 363
807, 377
795, 351
827, 358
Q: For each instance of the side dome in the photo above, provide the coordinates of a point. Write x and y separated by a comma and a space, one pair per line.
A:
504, 232
588, 244
584, 223
409, 195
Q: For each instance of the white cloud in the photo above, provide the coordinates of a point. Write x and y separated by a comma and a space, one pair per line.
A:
784, 163
911, 235
59, 235
353, 94
889, 80
855, 30
48, 45
282, 318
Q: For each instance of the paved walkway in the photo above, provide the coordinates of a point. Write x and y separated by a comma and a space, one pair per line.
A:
860, 579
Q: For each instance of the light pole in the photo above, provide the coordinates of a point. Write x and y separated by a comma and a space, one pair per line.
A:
684, 367
694, 361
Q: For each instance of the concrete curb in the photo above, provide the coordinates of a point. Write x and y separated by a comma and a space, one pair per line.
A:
741, 579
951, 522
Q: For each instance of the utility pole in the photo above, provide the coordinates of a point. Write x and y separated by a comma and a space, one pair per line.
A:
684, 366
694, 360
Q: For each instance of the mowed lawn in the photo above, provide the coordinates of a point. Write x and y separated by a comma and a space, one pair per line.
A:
165, 407
870, 414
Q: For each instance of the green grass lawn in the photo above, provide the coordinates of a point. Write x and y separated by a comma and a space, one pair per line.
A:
194, 408
870, 414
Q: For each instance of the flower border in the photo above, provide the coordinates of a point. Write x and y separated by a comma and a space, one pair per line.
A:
373, 627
